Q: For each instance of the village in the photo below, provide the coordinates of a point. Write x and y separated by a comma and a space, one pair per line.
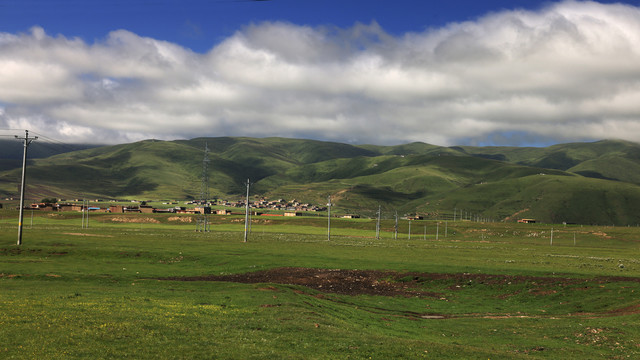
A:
279, 207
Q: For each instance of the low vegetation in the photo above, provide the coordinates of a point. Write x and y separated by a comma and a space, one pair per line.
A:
152, 287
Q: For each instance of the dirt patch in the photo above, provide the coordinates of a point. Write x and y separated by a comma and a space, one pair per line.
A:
187, 219
390, 283
11, 276
602, 234
514, 215
145, 220
346, 282
341, 194
85, 234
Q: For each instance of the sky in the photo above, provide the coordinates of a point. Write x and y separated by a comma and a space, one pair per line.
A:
460, 72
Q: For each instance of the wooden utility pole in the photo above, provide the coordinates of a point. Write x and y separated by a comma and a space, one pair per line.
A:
378, 224
82, 210
329, 218
395, 236
246, 214
85, 210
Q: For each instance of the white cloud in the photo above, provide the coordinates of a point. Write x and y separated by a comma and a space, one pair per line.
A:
567, 72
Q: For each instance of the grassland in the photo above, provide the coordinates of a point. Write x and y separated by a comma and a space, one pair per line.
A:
474, 290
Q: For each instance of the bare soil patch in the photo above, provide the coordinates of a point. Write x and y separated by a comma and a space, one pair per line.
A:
388, 283
188, 219
85, 234
145, 220
346, 282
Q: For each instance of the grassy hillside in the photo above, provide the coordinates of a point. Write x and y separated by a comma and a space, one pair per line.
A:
607, 159
591, 183
13, 149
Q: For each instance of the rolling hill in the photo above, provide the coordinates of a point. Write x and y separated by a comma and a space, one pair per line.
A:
590, 183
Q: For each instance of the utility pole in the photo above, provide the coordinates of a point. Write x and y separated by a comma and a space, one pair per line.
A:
82, 210
85, 218
395, 236
27, 142
203, 219
246, 214
329, 218
409, 236
378, 224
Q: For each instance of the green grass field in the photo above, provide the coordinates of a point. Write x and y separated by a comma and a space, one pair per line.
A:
489, 291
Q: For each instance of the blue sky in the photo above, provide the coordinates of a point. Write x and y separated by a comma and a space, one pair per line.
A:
383, 72
200, 24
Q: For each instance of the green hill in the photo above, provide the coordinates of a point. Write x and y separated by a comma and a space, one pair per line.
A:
591, 183
11, 151
607, 159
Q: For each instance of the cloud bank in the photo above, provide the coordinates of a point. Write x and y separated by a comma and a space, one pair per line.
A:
570, 71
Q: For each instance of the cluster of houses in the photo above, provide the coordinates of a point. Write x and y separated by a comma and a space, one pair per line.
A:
279, 204
109, 209
290, 208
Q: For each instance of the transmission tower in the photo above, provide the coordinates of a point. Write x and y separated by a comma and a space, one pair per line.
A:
203, 219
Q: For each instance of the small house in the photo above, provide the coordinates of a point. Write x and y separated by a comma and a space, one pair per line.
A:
119, 209
527, 221
146, 209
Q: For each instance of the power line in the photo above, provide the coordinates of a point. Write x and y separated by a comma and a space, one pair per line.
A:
64, 145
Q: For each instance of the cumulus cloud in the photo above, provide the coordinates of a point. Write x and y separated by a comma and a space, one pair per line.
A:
567, 72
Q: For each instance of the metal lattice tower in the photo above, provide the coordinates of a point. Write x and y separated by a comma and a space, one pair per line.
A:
203, 219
